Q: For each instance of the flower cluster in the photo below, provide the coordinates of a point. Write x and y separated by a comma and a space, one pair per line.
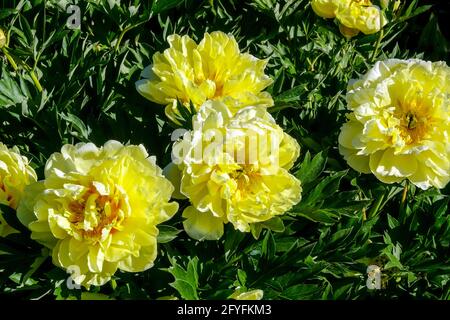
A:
233, 166
354, 16
97, 209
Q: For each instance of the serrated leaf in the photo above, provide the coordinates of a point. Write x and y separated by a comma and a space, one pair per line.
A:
186, 280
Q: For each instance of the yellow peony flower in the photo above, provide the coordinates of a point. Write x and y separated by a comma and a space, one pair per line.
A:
15, 174
234, 168
353, 15
213, 69
361, 16
399, 127
98, 208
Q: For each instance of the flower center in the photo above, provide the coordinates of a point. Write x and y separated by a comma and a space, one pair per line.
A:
415, 121
219, 91
94, 215
245, 177
411, 121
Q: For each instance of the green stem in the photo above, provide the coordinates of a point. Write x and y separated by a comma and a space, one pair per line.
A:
377, 46
36, 80
10, 59
33, 76
27, 68
116, 48
122, 34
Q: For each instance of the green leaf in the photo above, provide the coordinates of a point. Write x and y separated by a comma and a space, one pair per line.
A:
340, 235
291, 94
255, 229
163, 5
5, 13
167, 233
10, 92
242, 277
233, 239
81, 130
186, 280
275, 224
268, 247
325, 189
302, 292
392, 222
319, 215
309, 169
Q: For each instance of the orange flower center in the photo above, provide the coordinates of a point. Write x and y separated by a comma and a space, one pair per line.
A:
415, 120
102, 211
246, 177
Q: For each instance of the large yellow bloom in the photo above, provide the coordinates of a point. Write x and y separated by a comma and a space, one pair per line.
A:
98, 208
234, 168
399, 127
353, 15
213, 69
15, 174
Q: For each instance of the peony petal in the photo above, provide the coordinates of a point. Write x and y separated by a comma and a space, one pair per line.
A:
202, 225
95, 259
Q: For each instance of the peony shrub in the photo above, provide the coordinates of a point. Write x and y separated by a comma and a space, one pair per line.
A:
246, 150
